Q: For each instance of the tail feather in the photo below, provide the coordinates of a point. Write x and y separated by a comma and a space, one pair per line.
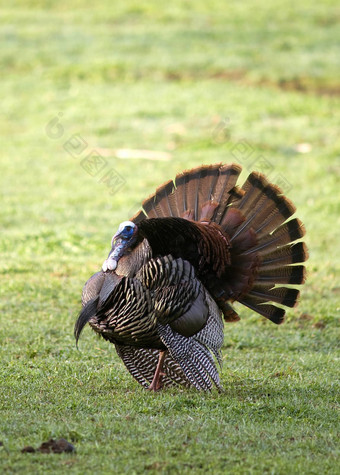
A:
282, 275
207, 211
283, 295
181, 193
232, 220
226, 181
209, 186
138, 217
150, 207
289, 254
159, 205
286, 233
274, 314
195, 189
280, 211
223, 192
253, 188
265, 208
163, 204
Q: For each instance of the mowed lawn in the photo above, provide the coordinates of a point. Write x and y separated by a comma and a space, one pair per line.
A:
83, 86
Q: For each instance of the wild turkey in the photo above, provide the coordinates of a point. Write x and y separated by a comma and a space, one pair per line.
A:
199, 244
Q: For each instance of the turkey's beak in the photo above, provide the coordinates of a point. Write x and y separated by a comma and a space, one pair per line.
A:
115, 239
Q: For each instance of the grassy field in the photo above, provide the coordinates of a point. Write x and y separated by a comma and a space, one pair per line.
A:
248, 82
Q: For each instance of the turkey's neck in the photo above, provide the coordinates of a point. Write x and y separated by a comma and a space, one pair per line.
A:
134, 259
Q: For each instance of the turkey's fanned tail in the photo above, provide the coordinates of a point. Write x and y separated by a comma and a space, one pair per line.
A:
257, 220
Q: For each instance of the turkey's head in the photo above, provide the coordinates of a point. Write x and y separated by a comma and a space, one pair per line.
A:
124, 238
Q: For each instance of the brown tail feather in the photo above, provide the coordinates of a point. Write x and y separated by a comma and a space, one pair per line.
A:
283, 295
267, 213
207, 211
138, 217
253, 188
198, 189
275, 314
191, 192
286, 255
282, 275
162, 202
231, 221
158, 205
150, 208
278, 211
224, 191
209, 186
287, 233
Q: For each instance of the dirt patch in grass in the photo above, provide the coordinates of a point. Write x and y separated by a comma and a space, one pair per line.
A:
51, 446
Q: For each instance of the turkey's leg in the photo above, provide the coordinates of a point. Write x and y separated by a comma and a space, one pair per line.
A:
156, 383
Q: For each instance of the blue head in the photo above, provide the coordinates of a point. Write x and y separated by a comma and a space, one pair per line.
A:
126, 231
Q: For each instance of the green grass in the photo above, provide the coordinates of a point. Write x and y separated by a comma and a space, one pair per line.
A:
196, 81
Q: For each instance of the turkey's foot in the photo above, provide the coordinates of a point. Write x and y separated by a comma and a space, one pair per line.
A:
156, 383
